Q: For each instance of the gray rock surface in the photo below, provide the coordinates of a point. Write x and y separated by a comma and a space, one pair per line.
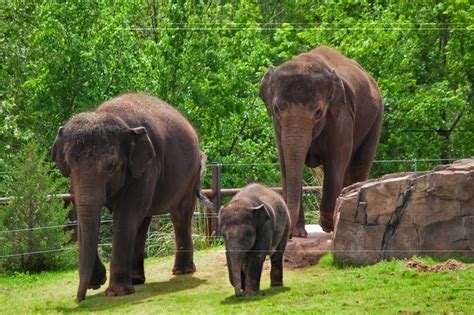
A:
406, 214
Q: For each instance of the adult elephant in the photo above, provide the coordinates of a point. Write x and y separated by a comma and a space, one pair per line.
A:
139, 157
326, 111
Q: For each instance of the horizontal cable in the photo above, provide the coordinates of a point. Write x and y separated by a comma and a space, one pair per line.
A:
75, 223
294, 27
210, 165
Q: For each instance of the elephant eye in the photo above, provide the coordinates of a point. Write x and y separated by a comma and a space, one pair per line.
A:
318, 114
276, 110
110, 168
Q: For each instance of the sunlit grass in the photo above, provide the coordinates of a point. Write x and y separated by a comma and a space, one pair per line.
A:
387, 287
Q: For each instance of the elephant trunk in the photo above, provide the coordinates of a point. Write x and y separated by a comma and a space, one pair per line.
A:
296, 140
88, 203
235, 271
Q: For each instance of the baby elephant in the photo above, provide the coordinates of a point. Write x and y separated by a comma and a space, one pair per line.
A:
254, 224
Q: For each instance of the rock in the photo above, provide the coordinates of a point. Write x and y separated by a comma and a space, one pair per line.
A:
406, 214
303, 252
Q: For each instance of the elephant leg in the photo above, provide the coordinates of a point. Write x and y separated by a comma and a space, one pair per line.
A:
332, 186
253, 272
138, 271
182, 223
99, 275
125, 229
300, 224
276, 272
359, 167
245, 264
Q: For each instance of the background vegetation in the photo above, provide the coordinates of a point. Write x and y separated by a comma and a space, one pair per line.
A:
21, 220
207, 59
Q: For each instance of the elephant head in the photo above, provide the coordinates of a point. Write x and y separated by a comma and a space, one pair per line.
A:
99, 152
301, 96
241, 225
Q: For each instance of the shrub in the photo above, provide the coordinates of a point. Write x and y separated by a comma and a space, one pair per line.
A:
31, 231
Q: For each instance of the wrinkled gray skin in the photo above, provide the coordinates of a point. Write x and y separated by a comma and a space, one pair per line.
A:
326, 111
255, 223
139, 157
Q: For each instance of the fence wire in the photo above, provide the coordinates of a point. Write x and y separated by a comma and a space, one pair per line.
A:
312, 177
150, 235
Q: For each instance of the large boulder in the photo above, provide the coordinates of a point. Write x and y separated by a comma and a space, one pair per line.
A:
406, 214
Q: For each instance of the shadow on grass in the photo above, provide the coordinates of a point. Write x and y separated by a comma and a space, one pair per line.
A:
99, 302
263, 295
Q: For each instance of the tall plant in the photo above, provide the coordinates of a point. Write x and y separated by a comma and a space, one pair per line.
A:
31, 230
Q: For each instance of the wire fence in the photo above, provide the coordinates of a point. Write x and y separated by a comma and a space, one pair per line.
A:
160, 227
160, 232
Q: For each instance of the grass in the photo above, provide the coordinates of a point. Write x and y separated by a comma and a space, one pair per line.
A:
329, 287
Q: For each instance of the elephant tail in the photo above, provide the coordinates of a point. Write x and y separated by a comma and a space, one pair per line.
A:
203, 199
200, 195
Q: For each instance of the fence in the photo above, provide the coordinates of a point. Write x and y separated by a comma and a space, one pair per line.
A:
206, 219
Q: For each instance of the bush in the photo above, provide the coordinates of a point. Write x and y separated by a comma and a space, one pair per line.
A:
31, 231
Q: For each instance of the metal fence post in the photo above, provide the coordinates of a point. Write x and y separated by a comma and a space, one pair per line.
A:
212, 228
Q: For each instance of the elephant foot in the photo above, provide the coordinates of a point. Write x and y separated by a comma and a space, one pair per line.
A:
182, 270
138, 279
119, 290
96, 283
326, 224
299, 232
252, 292
98, 277
276, 284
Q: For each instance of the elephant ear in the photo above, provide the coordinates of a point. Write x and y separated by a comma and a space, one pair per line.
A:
142, 151
265, 227
340, 95
57, 153
266, 93
264, 213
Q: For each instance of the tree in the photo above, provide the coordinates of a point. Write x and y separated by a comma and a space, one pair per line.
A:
207, 59
31, 230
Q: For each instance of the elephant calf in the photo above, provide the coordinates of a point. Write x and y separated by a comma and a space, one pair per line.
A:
254, 224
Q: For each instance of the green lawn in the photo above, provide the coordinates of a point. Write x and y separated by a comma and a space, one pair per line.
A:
387, 287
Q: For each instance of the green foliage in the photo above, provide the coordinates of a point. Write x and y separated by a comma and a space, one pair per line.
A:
207, 59
31, 224
419, 53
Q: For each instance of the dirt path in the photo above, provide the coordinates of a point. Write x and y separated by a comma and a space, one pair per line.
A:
302, 252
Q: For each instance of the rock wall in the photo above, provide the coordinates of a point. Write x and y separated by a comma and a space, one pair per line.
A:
406, 214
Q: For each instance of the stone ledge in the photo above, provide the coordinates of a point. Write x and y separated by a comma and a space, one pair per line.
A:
303, 252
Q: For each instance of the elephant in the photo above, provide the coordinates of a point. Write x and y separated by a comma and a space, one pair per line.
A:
137, 156
254, 224
326, 110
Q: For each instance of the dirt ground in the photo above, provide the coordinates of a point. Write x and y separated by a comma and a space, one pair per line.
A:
302, 252
449, 265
